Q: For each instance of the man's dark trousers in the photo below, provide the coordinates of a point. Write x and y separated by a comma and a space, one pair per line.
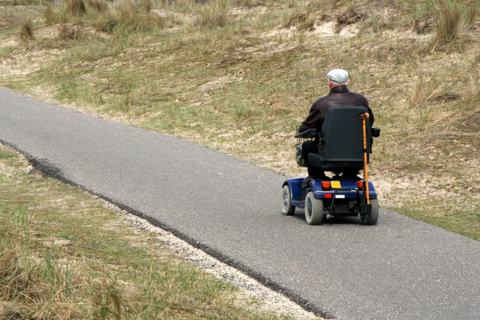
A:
311, 147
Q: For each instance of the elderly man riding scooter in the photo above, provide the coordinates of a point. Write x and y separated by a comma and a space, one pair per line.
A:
339, 95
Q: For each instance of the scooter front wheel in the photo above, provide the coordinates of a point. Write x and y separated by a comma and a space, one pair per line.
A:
287, 208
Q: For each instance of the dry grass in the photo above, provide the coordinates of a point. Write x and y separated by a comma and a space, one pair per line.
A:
20, 2
123, 18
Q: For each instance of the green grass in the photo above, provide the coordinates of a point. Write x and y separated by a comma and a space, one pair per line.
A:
63, 255
461, 219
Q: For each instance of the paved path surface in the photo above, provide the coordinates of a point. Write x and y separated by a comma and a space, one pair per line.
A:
398, 269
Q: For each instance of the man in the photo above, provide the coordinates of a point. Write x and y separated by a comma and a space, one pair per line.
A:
339, 95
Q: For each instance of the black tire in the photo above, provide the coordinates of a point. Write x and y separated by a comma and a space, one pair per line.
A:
313, 209
370, 219
287, 208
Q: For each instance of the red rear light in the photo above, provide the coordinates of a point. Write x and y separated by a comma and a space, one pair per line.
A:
326, 185
328, 196
360, 185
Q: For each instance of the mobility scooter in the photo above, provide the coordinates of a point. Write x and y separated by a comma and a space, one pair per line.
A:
344, 143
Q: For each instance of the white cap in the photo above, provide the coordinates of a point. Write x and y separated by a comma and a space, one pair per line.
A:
338, 75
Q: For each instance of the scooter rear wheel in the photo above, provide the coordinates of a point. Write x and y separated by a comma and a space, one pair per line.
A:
313, 209
371, 218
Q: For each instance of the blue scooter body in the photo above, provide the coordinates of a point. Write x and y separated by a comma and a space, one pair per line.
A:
340, 189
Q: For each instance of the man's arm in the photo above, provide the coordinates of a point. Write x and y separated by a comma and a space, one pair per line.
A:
313, 121
365, 103
372, 118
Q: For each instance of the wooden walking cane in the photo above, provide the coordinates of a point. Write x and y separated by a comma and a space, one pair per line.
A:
365, 160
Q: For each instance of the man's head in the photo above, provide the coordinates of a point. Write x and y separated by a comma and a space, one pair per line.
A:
338, 77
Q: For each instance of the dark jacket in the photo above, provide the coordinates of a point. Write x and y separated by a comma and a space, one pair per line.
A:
338, 96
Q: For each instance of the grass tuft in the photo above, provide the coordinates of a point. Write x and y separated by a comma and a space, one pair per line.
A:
449, 22
75, 7
453, 19
213, 14
67, 32
146, 5
301, 21
50, 15
348, 17
26, 30
128, 19
99, 6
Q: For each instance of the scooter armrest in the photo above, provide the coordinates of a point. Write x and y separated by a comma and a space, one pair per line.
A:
308, 134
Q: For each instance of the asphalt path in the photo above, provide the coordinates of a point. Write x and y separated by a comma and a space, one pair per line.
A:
399, 269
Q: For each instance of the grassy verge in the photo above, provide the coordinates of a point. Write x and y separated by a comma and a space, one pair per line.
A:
64, 255
240, 76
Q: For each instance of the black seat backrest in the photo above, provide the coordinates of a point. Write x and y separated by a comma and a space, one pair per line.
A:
341, 139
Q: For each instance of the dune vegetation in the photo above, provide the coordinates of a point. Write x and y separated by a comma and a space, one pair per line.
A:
239, 76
